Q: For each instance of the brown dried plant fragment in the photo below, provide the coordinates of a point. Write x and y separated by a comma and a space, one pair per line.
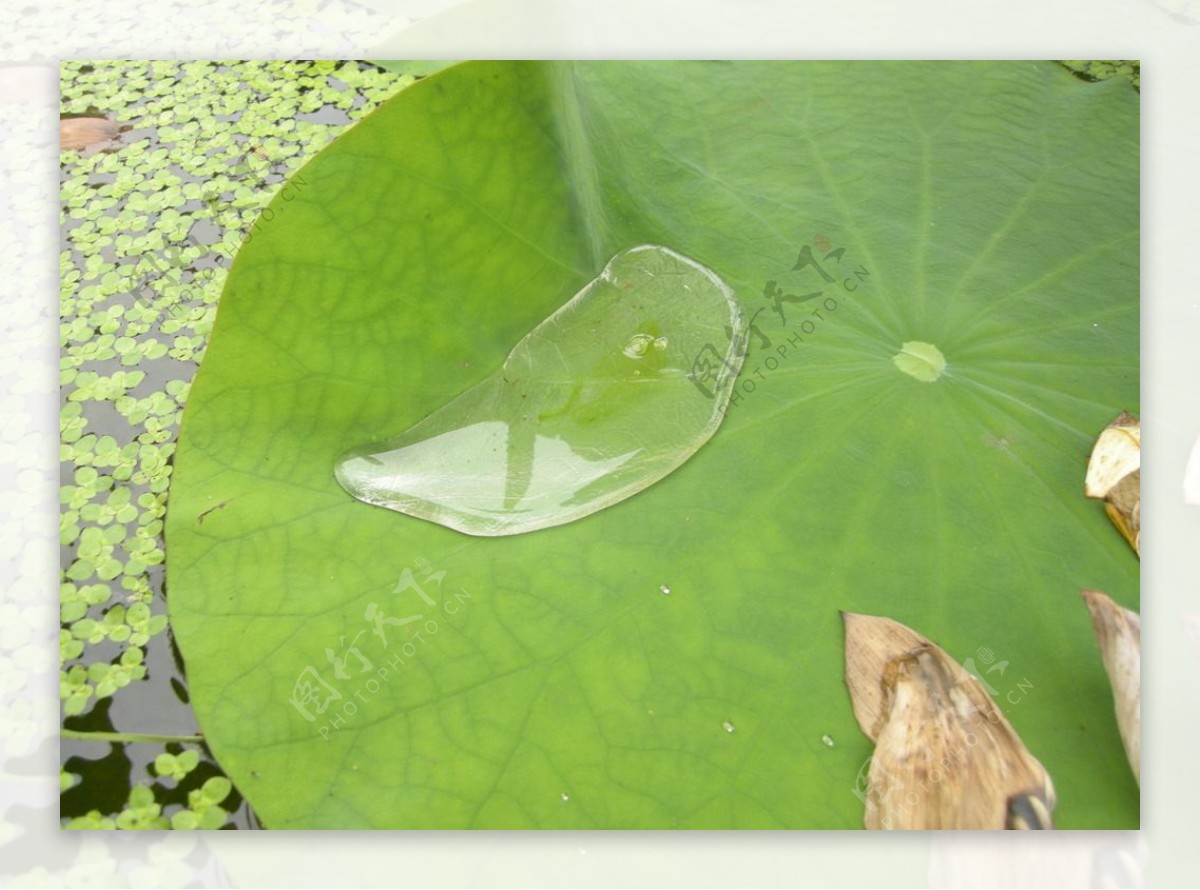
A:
1119, 635
871, 643
79, 133
1114, 474
945, 756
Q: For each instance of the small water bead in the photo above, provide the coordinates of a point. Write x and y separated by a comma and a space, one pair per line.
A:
637, 345
827, 740
727, 726
565, 797
664, 590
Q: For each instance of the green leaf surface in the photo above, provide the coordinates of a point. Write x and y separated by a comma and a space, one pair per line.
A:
674, 660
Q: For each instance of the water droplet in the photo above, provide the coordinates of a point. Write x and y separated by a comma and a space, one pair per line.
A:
582, 414
727, 726
827, 740
664, 590
636, 346
565, 797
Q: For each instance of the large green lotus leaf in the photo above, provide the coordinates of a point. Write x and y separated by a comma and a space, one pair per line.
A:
674, 660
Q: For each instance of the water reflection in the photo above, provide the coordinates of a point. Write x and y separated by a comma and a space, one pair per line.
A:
486, 474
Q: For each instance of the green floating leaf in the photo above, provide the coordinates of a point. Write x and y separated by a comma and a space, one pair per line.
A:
596, 403
93, 821
674, 661
184, 820
176, 766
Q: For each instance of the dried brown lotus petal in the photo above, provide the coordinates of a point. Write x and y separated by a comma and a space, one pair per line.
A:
945, 756
1114, 474
1119, 635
